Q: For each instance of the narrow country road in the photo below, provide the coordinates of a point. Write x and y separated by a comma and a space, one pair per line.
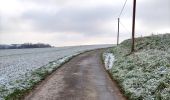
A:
82, 78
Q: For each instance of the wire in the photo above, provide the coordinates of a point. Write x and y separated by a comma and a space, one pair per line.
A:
125, 27
122, 9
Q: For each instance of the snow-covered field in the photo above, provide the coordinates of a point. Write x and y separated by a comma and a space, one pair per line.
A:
16, 65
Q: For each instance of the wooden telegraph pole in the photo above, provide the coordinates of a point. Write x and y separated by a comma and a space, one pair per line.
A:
133, 26
118, 32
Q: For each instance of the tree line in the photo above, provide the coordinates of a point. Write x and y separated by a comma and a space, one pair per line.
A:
25, 45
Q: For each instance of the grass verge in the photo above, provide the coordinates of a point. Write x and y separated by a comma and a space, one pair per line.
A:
144, 74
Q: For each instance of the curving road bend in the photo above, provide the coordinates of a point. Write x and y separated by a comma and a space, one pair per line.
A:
82, 78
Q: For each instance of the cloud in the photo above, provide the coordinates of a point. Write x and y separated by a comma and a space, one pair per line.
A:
151, 16
82, 20
79, 20
154, 13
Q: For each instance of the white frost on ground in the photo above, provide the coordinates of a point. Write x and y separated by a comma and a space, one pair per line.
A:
144, 74
108, 60
18, 66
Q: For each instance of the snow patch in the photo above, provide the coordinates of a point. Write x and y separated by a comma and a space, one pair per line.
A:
108, 60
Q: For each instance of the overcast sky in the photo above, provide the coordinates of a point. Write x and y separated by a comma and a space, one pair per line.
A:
79, 22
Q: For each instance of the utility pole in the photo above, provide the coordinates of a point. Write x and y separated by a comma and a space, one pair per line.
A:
118, 32
133, 26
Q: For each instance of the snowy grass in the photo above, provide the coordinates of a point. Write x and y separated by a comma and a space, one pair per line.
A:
27, 81
145, 74
20, 70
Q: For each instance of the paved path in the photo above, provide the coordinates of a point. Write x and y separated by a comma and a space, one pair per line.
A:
82, 78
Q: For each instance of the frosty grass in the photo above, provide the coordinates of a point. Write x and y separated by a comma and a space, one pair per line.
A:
144, 75
22, 68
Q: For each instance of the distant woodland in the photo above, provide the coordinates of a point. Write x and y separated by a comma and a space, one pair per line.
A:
25, 45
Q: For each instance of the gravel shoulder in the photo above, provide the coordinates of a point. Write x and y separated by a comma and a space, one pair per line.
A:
82, 78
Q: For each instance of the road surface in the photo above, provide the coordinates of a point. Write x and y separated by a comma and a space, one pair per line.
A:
82, 78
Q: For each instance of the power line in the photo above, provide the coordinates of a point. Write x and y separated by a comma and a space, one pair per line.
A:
122, 9
133, 24
119, 21
124, 27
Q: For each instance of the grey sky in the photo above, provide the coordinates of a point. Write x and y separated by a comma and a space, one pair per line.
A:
77, 22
